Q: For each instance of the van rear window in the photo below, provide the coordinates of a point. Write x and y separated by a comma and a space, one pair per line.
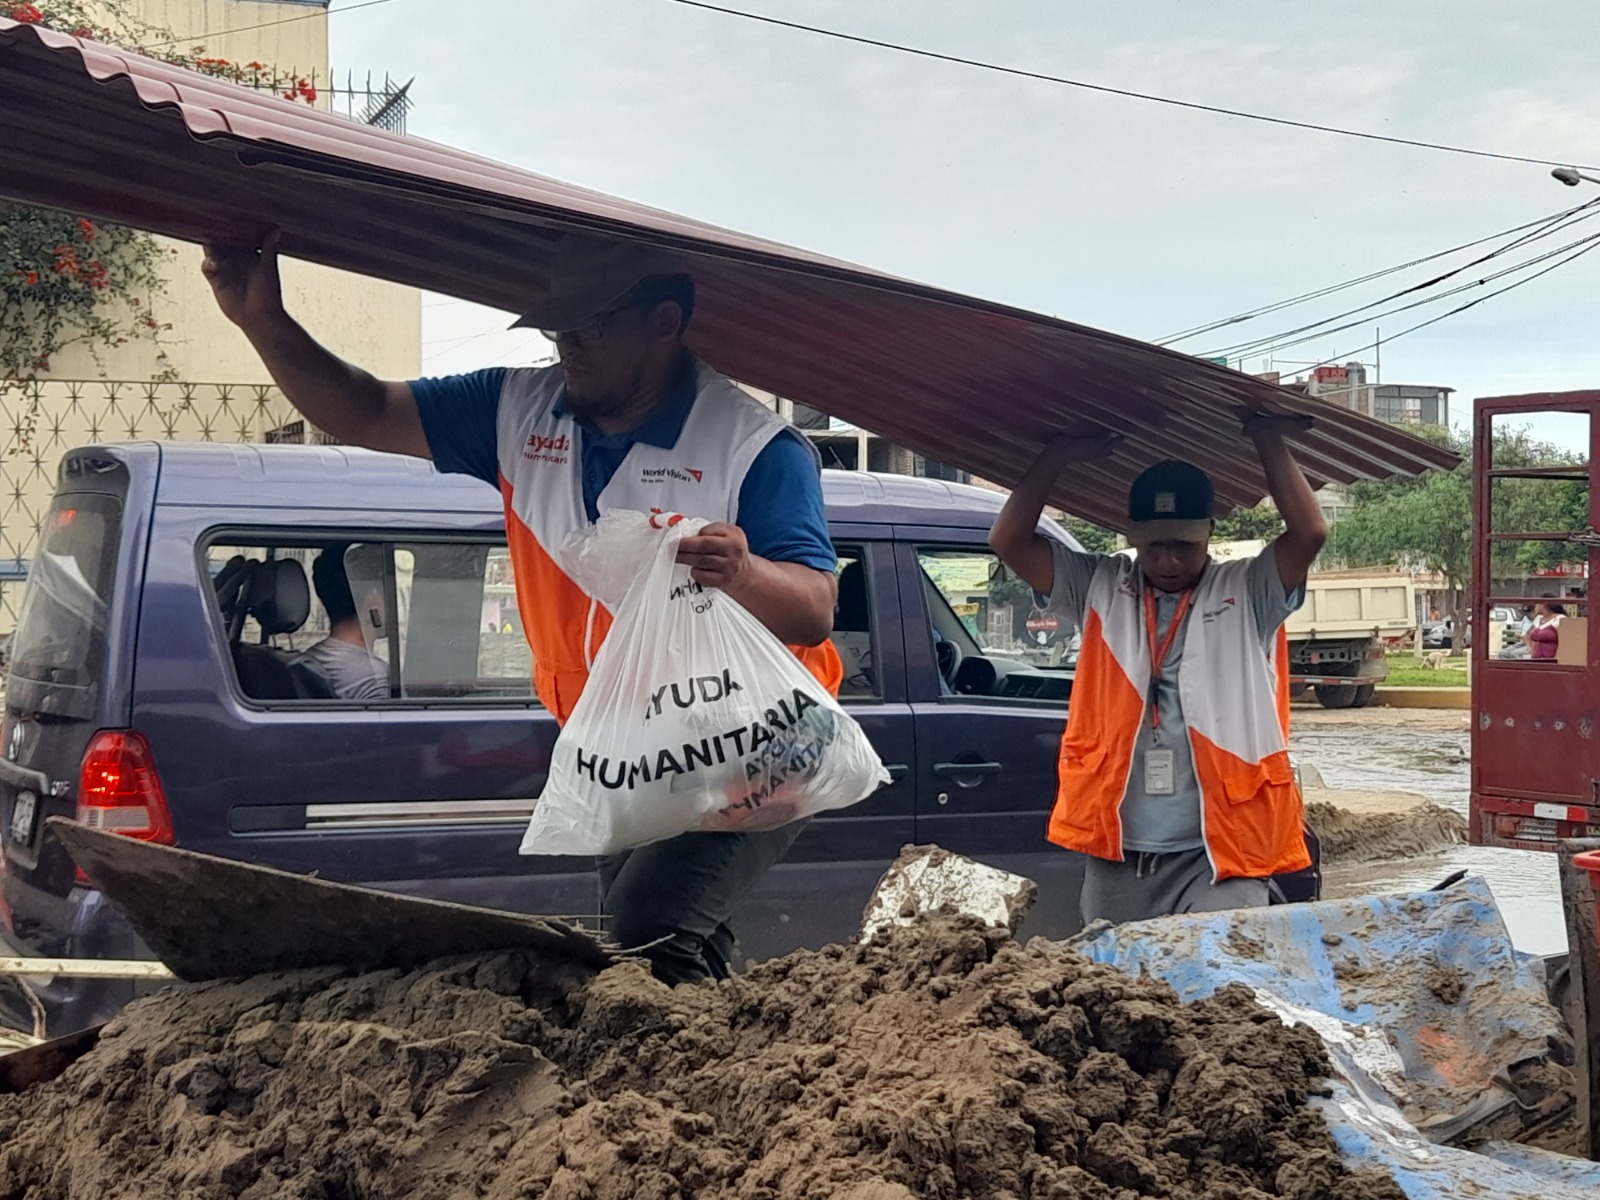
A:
61, 634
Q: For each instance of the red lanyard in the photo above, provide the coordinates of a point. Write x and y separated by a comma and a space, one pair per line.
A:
1159, 651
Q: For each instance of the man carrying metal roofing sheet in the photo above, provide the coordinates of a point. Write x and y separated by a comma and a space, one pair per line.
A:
628, 420
1174, 772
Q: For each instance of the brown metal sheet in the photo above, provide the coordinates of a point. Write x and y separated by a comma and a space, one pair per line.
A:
967, 382
213, 918
21, 1069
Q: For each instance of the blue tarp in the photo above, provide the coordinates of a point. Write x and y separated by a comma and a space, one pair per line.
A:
1422, 1002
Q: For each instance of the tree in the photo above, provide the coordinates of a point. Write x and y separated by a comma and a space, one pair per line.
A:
1090, 536
1426, 521
1261, 523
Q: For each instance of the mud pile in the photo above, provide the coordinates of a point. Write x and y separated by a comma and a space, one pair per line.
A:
944, 1060
1354, 836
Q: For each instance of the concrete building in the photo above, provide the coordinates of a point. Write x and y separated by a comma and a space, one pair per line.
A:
211, 385
849, 448
1396, 403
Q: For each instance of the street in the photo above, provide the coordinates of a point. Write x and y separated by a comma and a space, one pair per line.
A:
1426, 751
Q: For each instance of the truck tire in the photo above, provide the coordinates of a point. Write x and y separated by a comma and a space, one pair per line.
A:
1364, 695
1330, 696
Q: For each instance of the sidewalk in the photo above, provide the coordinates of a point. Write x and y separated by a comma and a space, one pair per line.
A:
1423, 697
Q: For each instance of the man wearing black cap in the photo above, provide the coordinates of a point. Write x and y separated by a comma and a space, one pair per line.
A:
1174, 776
628, 420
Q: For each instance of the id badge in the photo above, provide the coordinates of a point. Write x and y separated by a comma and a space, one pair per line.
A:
1160, 771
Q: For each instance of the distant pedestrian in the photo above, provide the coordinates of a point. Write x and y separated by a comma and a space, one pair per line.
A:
1544, 635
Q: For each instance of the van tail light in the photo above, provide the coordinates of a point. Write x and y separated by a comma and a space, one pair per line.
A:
119, 790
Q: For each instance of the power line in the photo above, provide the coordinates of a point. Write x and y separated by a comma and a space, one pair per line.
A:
1319, 331
500, 326
1113, 91
520, 348
311, 16
1325, 329
1551, 226
1593, 245
1277, 306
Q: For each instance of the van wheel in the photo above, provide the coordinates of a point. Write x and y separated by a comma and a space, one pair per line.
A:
1364, 695
1331, 696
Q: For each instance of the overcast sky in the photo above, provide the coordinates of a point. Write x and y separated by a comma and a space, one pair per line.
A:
1118, 213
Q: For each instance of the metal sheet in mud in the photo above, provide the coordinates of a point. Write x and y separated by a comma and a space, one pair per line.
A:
1421, 1002
212, 918
1371, 1134
1434, 971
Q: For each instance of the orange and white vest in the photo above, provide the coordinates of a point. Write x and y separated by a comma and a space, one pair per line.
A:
1234, 697
541, 484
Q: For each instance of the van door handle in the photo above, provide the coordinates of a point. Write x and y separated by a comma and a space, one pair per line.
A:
897, 771
952, 770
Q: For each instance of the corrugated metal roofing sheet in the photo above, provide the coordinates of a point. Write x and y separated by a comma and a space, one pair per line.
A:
964, 381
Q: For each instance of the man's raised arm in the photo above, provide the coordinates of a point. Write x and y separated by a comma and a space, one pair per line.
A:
345, 401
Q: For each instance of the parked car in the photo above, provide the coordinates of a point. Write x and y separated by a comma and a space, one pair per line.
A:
1441, 635
156, 689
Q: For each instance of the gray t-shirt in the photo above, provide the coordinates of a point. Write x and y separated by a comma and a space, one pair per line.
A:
1164, 824
356, 674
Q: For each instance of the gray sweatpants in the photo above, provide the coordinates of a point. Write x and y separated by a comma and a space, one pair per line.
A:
1157, 885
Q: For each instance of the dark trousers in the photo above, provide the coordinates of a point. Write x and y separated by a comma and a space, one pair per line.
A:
672, 901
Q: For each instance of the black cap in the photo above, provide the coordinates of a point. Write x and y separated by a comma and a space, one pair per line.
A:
1171, 501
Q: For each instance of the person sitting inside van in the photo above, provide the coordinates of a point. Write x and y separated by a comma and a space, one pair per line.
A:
355, 672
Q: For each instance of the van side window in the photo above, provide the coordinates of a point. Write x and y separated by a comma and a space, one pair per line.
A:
852, 627
459, 630
988, 640
369, 621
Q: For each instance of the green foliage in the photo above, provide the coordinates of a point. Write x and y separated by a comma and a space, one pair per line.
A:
1242, 524
1091, 536
71, 282
1407, 670
66, 280
1261, 523
1426, 521
1012, 590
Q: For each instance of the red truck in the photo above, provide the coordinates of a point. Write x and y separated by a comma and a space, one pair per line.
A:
1535, 720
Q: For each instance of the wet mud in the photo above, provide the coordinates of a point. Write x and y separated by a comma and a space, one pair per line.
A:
941, 1060
1425, 752
1351, 837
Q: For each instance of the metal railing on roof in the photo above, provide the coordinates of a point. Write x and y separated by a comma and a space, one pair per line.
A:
384, 104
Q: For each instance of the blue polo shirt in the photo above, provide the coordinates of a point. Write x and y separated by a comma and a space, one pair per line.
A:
780, 502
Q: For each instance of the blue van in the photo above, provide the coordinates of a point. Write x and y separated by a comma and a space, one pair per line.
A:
160, 686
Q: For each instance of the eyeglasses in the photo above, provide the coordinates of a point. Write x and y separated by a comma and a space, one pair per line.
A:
591, 330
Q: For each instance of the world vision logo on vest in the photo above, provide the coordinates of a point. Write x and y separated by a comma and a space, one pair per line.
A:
1228, 605
544, 449
666, 474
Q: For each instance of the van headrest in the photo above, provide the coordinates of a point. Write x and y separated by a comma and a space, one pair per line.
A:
280, 598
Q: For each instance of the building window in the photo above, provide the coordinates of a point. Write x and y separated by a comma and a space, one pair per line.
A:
927, 468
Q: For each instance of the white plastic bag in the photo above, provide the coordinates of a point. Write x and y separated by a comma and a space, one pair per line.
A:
695, 717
